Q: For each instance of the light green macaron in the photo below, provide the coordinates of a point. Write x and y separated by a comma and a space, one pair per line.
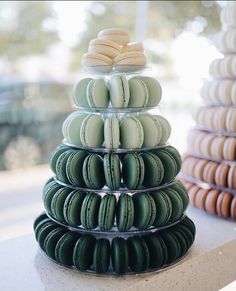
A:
111, 133
97, 94
119, 91
138, 93
80, 93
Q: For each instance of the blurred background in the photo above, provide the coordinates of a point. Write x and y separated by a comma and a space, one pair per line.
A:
41, 44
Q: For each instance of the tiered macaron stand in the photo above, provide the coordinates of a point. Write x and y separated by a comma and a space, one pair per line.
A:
138, 240
209, 166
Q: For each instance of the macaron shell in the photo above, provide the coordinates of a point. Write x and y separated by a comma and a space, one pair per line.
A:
80, 89
112, 171
165, 129
61, 166
210, 202
93, 172
119, 91
112, 133
107, 211
169, 164
173, 246
152, 165
58, 201
73, 128
119, 255
51, 241
177, 204
154, 244
97, 94
44, 231
89, 210
38, 220
154, 90
138, 93
55, 155
48, 196
101, 256
225, 205
74, 168
125, 212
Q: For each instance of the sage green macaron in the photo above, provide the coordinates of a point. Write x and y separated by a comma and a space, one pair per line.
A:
131, 133
48, 195
112, 171
154, 90
65, 247
40, 218
179, 187
119, 91
133, 170
55, 155
169, 164
177, 204
154, 170
138, 93
176, 155
101, 255
111, 133
92, 131
61, 166
41, 224
144, 210
125, 212
80, 93
57, 204
83, 252
93, 172
119, 255
74, 168
90, 210
107, 210
97, 94
152, 130
44, 231
139, 257
52, 239
166, 129
72, 207
163, 207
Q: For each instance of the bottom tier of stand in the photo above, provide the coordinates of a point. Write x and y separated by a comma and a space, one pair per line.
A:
108, 254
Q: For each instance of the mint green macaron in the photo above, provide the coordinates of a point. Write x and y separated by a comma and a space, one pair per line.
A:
111, 165
97, 94
111, 133
80, 93
119, 91
154, 90
138, 93
166, 129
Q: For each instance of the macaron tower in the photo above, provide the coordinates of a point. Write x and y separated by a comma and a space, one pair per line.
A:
209, 167
113, 205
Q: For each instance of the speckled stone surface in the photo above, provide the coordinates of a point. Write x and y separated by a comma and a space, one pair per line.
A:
210, 265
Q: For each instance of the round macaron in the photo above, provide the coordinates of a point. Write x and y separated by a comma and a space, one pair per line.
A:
125, 212
119, 91
80, 93
131, 133
92, 131
138, 93
65, 247
154, 90
210, 201
119, 255
133, 170
166, 129
111, 165
72, 207
101, 255
105, 47
139, 256
107, 211
152, 165
94, 62
44, 231
177, 204
52, 239
49, 193
163, 207
61, 166
93, 172
111, 133
55, 154
172, 244
144, 210
133, 47
83, 252
117, 35
132, 59
89, 210
97, 94
182, 191
41, 224
40, 218
152, 130
57, 203
74, 167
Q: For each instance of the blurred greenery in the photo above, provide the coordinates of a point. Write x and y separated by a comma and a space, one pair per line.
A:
26, 28
166, 19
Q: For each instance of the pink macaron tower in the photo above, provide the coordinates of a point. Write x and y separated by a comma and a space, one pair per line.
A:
209, 166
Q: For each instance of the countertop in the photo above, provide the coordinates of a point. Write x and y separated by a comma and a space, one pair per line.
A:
210, 265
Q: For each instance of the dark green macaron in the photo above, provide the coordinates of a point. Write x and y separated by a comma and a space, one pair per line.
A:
176, 155
169, 164
49, 193
163, 207
177, 204
57, 204
61, 166
144, 210
154, 170
44, 231
72, 207
157, 250
107, 212
89, 210
101, 256
183, 243
40, 225
47, 184
119, 255
55, 155
133, 170
172, 244
125, 212
40, 218
93, 172
65, 247
83, 252
139, 256
52, 239
191, 226
111, 164
179, 187
74, 168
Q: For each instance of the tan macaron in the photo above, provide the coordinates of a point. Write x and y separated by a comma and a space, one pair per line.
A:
226, 204
233, 208
133, 47
231, 120
209, 172
221, 176
131, 59
105, 47
210, 202
118, 35
229, 150
232, 177
200, 198
192, 192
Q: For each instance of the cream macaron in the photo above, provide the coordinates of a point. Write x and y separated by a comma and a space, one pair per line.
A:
93, 61
133, 47
118, 35
131, 58
104, 47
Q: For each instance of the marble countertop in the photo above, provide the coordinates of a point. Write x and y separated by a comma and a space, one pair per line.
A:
24, 267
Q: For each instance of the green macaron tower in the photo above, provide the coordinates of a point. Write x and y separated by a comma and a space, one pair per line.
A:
113, 205
209, 167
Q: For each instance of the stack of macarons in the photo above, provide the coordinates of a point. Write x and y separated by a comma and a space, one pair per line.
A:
132, 170
130, 132
118, 92
209, 166
119, 255
112, 49
141, 210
